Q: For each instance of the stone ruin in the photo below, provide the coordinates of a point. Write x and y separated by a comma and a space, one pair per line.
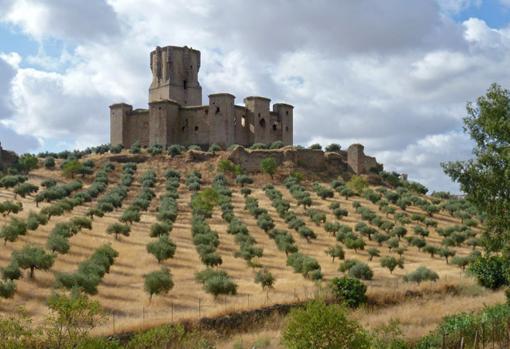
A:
352, 160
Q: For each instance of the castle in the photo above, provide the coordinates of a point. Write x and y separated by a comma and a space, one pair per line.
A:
176, 114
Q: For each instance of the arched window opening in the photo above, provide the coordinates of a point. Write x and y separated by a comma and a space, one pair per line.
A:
262, 123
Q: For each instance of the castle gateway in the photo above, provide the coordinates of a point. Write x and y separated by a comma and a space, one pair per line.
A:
176, 114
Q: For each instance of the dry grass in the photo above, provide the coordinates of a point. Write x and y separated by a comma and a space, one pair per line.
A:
121, 292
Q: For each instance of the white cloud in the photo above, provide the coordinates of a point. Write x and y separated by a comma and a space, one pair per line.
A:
393, 75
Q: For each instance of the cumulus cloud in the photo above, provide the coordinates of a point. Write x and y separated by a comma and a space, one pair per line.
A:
70, 19
393, 75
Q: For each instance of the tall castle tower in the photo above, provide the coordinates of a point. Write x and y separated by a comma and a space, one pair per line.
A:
175, 75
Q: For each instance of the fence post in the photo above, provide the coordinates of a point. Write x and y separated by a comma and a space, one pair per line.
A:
483, 336
493, 335
462, 342
113, 322
475, 345
143, 315
443, 345
199, 303
172, 305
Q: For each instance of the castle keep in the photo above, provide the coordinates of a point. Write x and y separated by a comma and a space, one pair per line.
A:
176, 114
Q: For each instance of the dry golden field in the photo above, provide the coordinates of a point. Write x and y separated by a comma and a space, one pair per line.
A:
121, 291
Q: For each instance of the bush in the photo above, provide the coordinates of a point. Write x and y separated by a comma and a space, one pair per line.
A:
7, 288
49, 163
421, 274
174, 150
264, 278
361, 271
216, 282
135, 148
349, 291
162, 249
316, 146
268, 165
490, 271
276, 145
357, 184
318, 325
213, 148
158, 282
333, 147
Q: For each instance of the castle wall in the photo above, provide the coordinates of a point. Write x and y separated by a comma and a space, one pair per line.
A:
259, 108
176, 115
194, 126
221, 119
242, 133
137, 129
358, 161
118, 130
285, 117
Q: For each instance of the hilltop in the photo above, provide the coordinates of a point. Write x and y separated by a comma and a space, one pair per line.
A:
369, 216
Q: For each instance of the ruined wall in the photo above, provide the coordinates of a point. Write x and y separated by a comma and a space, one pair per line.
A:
358, 161
315, 160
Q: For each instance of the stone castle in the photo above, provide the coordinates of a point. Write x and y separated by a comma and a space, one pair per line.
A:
176, 114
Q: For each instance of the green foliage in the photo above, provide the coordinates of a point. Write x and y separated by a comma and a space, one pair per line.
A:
333, 147
490, 271
8, 207
135, 148
203, 202
350, 291
485, 178
71, 319
390, 263
265, 278
24, 189
162, 249
316, 146
158, 282
27, 162
71, 168
227, 166
49, 163
216, 282
118, 229
420, 275
276, 145
242, 180
361, 271
7, 288
318, 325
33, 257
357, 184
268, 165
335, 252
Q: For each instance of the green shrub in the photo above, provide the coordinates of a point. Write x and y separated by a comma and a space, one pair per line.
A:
350, 291
158, 282
318, 325
490, 271
361, 271
421, 274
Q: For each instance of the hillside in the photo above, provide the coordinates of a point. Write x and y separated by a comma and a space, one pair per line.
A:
121, 290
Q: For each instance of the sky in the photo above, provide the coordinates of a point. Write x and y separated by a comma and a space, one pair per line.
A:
394, 75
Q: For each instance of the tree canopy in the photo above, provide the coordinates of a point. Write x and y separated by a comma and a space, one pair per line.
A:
486, 178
